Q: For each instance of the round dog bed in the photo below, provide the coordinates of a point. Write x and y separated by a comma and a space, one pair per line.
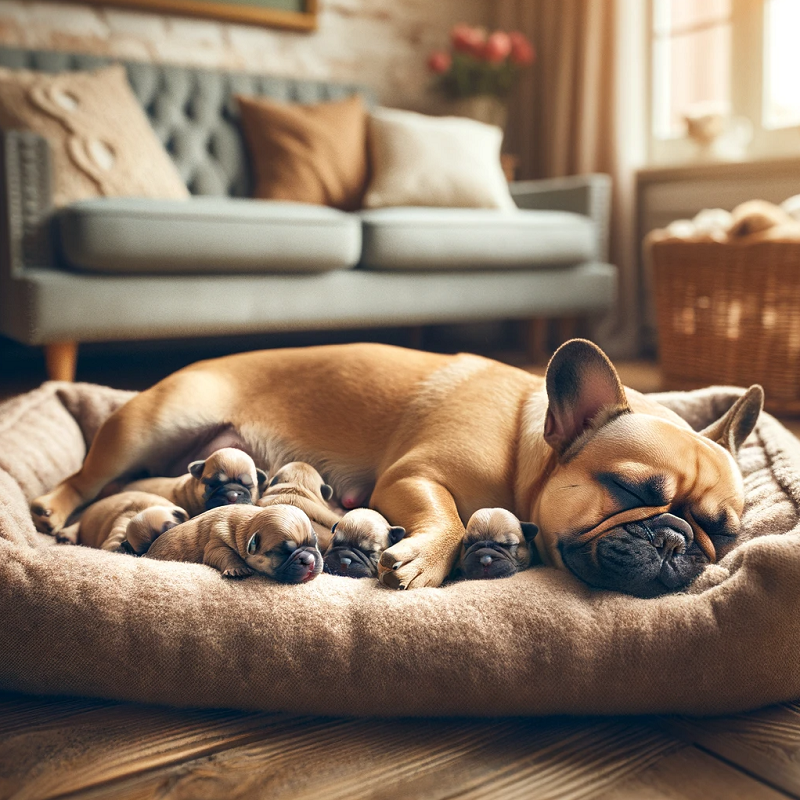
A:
88, 622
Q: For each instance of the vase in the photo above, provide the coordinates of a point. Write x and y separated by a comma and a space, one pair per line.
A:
483, 107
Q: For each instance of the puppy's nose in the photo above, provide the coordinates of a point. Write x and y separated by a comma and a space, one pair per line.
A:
306, 558
486, 560
232, 496
345, 562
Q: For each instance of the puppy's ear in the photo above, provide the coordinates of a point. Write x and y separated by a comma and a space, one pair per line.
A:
333, 529
326, 491
274, 480
262, 479
738, 422
529, 531
581, 383
196, 469
396, 533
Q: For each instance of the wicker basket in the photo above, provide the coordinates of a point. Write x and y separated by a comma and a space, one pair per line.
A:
730, 313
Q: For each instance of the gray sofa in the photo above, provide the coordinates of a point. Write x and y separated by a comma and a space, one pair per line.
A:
129, 269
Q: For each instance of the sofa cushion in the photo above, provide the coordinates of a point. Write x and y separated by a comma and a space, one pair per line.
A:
472, 238
208, 235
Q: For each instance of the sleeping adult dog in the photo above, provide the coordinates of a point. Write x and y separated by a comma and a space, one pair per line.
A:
625, 494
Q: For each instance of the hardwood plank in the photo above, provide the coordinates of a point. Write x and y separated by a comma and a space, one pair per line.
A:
49, 748
765, 743
429, 760
690, 774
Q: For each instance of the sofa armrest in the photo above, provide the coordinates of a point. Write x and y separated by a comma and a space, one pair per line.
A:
25, 203
582, 194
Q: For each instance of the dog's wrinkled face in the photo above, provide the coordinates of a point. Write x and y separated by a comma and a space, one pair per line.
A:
359, 538
148, 525
635, 503
229, 476
298, 473
281, 543
496, 545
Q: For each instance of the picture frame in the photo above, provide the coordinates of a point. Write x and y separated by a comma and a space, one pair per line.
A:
269, 13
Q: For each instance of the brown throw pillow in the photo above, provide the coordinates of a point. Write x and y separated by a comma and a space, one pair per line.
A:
307, 153
100, 138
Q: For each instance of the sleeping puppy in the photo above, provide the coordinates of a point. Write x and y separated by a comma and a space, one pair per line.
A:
226, 477
239, 540
359, 538
299, 484
107, 523
496, 544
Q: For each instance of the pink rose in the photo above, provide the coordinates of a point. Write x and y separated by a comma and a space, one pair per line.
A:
522, 52
497, 47
467, 39
439, 61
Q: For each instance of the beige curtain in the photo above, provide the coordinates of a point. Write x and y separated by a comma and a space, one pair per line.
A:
581, 109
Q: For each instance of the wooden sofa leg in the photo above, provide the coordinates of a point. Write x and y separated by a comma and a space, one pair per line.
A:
536, 336
61, 358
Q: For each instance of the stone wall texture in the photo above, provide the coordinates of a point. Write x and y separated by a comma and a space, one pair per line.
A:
380, 43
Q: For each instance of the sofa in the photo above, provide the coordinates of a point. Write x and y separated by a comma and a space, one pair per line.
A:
117, 269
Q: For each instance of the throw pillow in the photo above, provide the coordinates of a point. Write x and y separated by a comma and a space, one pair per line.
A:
307, 153
418, 160
101, 141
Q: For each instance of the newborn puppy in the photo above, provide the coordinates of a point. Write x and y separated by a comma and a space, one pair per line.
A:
496, 544
359, 538
239, 540
226, 477
299, 484
106, 524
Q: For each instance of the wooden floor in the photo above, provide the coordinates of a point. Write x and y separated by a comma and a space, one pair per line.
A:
75, 748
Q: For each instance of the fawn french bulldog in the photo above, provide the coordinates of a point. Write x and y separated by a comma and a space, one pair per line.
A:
359, 538
227, 476
438, 437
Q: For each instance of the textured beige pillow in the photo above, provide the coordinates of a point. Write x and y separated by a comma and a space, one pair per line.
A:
101, 141
419, 160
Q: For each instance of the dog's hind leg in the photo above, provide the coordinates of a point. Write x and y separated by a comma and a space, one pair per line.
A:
141, 435
427, 510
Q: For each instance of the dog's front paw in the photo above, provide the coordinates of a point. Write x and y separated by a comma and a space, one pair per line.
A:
415, 562
237, 572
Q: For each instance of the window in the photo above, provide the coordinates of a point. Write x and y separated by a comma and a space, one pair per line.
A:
736, 58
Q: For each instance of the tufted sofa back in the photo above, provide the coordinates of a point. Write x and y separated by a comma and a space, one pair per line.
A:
193, 111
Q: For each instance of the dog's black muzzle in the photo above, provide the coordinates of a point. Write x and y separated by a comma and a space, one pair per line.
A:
227, 494
302, 565
646, 558
489, 559
349, 562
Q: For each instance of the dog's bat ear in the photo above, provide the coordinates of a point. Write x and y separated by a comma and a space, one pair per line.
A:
274, 481
396, 533
326, 491
196, 468
581, 383
262, 478
529, 531
731, 429
333, 529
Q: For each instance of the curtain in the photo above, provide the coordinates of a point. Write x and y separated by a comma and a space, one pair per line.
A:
581, 108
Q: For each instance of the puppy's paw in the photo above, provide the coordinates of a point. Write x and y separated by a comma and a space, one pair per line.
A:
237, 572
418, 561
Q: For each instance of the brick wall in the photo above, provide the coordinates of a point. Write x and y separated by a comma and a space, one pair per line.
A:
382, 43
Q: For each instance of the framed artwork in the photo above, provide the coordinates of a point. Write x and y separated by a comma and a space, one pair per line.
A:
298, 15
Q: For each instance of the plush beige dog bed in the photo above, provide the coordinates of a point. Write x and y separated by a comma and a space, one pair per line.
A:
81, 621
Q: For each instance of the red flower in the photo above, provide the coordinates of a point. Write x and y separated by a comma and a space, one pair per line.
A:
439, 61
467, 39
522, 52
497, 48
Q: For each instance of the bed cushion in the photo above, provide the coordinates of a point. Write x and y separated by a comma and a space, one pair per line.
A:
88, 622
206, 235
474, 238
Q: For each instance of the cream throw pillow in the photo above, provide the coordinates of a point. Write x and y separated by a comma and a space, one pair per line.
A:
101, 141
450, 162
